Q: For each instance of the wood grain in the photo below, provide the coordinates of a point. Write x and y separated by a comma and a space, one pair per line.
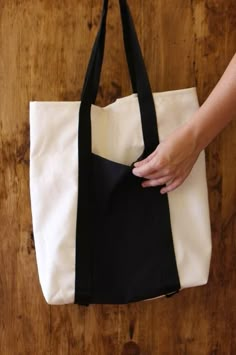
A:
44, 48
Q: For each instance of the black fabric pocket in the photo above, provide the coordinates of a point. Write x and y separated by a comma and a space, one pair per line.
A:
133, 255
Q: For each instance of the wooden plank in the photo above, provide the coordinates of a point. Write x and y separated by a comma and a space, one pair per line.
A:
45, 46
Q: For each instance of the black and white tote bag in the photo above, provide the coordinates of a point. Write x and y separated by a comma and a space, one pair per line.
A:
100, 237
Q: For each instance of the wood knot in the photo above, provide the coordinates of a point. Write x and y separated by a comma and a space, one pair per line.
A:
131, 348
131, 329
30, 244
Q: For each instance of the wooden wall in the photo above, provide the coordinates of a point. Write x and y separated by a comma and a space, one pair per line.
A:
44, 48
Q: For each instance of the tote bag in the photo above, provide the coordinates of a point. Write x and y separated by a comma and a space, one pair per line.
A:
100, 237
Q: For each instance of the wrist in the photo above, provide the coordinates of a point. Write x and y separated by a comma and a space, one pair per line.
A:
198, 132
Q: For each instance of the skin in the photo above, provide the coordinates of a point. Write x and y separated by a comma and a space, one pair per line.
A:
174, 157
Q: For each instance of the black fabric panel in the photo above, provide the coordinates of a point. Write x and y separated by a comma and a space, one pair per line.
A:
124, 248
130, 248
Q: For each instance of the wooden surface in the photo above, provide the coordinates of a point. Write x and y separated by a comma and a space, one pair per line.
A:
44, 48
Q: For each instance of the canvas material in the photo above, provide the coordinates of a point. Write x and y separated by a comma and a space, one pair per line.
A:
116, 135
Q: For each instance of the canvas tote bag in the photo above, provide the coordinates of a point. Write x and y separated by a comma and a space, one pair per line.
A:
99, 236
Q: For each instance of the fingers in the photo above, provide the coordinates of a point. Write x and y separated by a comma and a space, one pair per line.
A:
158, 172
172, 186
161, 173
156, 182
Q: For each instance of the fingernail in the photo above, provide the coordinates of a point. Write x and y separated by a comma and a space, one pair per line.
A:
136, 172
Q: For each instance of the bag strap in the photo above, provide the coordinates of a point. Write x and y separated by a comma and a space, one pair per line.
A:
145, 97
137, 70
96, 60
140, 84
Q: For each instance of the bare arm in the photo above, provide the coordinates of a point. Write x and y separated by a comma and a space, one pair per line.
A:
218, 110
175, 156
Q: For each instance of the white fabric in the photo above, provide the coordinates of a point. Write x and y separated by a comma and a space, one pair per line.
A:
116, 135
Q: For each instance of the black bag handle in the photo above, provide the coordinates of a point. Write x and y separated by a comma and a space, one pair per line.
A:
137, 70
97, 58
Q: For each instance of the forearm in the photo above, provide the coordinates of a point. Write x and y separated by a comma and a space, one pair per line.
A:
218, 109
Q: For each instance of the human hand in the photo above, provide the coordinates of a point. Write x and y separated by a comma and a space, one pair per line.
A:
172, 160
